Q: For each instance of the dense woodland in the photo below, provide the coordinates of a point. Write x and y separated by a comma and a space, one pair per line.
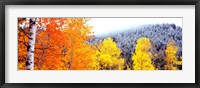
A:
158, 34
70, 44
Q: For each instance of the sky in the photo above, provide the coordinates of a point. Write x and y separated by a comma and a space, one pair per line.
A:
108, 25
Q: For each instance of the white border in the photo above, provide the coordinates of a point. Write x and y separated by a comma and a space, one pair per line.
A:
187, 75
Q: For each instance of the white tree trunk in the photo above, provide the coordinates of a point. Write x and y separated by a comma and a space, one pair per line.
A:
31, 44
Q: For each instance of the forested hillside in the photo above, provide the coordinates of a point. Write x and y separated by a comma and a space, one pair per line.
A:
159, 35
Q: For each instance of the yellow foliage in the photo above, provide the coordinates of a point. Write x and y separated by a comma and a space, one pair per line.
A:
21, 66
107, 57
142, 58
171, 57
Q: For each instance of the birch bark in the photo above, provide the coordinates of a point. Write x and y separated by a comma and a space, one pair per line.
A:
31, 44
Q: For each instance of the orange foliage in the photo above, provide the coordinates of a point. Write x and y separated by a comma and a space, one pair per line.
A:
60, 43
22, 48
78, 53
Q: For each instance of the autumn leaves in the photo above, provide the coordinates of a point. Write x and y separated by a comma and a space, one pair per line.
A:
107, 56
171, 58
142, 58
62, 44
